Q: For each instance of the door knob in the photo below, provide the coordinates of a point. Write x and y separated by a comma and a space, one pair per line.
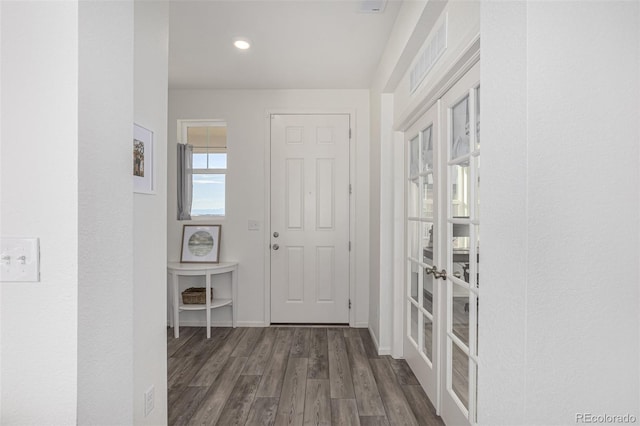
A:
436, 274
276, 247
442, 274
276, 235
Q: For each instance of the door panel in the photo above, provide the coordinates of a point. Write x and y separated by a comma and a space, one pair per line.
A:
295, 193
421, 295
461, 124
310, 216
295, 273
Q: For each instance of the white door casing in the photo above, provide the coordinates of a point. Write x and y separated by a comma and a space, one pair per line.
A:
309, 215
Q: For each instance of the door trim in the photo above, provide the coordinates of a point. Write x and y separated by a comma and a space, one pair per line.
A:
351, 112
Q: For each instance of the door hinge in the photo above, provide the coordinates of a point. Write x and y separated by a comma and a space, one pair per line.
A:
350, 189
349, 303
349, 133
349, 245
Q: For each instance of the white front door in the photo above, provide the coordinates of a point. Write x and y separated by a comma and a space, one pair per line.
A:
309, 227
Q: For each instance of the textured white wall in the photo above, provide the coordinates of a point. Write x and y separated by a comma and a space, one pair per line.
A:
559, 315
105, 222
504, 225
0, 203
38, 198
150, 214
245, 113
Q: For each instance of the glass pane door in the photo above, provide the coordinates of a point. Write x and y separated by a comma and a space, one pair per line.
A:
421, 331
461, 299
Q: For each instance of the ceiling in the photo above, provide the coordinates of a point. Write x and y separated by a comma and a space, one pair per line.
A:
295, 44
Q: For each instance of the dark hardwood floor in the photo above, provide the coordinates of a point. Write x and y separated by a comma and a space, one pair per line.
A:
289, 376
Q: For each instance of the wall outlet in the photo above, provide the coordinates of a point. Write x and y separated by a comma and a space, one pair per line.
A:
149, 400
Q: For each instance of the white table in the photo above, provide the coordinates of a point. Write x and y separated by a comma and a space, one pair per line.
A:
177, 270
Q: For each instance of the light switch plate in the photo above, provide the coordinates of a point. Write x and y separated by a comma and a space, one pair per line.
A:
19, 259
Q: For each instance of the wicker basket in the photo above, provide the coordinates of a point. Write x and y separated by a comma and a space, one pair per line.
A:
195, 296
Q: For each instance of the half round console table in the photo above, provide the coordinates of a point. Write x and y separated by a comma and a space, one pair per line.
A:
177, 269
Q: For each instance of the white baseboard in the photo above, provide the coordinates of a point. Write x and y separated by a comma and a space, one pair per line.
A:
384, 350
381, 350
199, 323
252, 324
362, 325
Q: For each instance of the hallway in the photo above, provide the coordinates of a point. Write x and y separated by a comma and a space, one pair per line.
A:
289, 375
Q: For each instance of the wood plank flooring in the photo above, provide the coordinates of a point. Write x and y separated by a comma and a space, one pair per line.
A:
289, 376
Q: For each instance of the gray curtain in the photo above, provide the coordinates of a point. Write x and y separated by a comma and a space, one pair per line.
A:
185, 182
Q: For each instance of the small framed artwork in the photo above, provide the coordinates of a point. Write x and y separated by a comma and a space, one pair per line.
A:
143, 161
200, 244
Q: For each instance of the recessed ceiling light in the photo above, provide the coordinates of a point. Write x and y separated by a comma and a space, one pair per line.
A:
242, 44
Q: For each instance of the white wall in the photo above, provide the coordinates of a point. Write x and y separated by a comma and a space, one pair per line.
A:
502, 365
0, 204
150, 214
38, 198
245, 113
105, 221
397, 54
381, 222
559, 318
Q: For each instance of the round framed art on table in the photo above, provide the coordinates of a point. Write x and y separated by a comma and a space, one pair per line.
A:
201, 244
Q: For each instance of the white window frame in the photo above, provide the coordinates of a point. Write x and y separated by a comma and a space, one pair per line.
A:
183, 127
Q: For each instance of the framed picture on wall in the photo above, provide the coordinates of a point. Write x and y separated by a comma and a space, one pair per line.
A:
200, 244
143, 161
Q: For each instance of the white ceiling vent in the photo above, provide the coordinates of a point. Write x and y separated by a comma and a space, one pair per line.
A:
429, 56
371, 6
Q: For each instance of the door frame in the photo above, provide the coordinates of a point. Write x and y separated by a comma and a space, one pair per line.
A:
351, 112
425, 99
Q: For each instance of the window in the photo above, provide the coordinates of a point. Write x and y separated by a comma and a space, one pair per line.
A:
209, 141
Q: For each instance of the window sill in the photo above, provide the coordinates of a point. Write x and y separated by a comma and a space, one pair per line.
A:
206, 218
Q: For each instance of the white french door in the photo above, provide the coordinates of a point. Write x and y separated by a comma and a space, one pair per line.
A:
310, 218
461, 135
443, 240
421, 349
